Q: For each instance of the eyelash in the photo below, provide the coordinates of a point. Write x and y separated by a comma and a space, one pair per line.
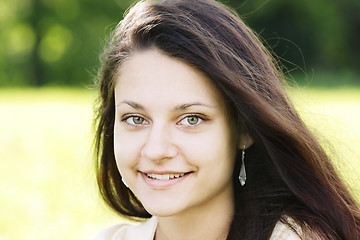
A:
200, 119
126, 118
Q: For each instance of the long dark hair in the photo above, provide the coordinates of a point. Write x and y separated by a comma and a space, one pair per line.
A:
289, 174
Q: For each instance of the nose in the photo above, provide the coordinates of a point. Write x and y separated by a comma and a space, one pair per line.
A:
158, 145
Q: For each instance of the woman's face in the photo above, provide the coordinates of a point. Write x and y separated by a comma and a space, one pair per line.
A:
173, 143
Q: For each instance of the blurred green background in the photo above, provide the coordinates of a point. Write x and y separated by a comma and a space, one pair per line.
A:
57, 42
49, 56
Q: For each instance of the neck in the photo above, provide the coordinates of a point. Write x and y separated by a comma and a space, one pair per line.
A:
211, 222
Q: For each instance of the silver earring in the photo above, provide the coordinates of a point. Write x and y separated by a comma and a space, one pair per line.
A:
122, 179
242, 175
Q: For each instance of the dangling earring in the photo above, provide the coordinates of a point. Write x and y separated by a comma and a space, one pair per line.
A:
242, 175
122, 179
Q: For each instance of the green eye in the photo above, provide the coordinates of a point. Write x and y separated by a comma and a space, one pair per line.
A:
134, 120
192, 120
137, 120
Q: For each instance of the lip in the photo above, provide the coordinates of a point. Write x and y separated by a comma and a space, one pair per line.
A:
162, 184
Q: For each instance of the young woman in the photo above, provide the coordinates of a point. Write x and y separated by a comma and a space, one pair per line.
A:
197, 139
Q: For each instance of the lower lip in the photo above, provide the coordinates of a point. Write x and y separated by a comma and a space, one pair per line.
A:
164, 183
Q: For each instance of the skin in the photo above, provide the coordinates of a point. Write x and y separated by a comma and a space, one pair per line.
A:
171, 120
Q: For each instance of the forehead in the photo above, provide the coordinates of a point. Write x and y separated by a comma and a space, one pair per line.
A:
150, 74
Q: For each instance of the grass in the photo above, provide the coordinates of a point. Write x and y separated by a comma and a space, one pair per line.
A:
333, 115
48, 189
47, 184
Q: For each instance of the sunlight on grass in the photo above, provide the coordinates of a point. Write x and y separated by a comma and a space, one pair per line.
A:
48, 188
334, 117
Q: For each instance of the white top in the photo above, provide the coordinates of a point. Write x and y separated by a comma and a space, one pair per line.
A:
146, 231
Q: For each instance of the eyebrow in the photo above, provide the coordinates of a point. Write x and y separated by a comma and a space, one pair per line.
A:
184, 106
188, 105
132, 104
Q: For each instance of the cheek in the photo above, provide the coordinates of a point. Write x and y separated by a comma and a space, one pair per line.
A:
216, 147
126, 149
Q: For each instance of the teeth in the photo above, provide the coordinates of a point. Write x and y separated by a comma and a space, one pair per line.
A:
164, 176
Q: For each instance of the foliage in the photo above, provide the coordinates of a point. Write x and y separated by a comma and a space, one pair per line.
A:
321, 34
57, 42
53, 42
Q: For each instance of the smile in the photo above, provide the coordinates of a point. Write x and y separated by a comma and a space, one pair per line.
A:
165, 180
164, 176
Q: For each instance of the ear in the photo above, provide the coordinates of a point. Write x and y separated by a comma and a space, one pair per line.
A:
245, 141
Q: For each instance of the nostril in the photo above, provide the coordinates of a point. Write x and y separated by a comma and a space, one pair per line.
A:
158, 145
158, 152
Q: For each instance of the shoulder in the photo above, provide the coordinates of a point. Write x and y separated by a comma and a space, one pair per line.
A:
287, 230
145, 231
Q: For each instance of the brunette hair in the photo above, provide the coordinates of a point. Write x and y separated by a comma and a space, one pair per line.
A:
289, 174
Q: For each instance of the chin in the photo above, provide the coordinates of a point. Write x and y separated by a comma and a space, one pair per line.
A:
162, 210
